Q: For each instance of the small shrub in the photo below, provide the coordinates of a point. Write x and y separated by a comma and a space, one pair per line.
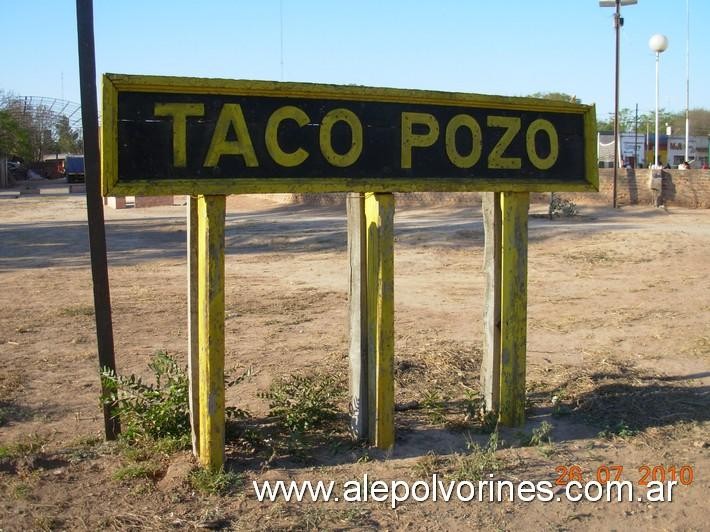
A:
428, 464
133, 471
304, 402
155, 411
479, 461
433, 406
621, 430
78, 310
561, 207
23, 449
146, 448
540, 436
215, 483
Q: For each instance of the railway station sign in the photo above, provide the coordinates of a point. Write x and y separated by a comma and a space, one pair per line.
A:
167, 135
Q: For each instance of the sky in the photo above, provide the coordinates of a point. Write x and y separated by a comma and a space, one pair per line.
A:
504, 47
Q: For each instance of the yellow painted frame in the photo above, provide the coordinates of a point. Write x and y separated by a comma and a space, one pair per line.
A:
115, 83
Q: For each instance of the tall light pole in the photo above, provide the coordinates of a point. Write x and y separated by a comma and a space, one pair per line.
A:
687, 81
658, 43
618, 22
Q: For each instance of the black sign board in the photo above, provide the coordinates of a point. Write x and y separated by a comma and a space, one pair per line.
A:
204, 136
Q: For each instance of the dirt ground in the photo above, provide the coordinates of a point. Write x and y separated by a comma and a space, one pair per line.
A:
618, 363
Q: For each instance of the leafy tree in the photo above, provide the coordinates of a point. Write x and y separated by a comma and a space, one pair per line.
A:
33, 131
699, 121
664, 117
14, 139
557, 96
68, 140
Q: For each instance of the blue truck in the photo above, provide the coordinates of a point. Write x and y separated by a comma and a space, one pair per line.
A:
74, 168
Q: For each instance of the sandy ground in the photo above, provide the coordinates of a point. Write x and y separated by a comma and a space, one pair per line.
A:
618, 362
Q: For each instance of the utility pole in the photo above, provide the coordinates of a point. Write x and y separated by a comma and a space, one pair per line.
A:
636, 137
94, 204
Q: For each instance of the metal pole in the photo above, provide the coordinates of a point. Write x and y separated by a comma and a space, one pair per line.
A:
658, 55
636, 137
94, 204
617, 25
687, 83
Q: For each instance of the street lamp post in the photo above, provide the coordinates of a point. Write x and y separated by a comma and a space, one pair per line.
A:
618, 22
658, 43
687, 82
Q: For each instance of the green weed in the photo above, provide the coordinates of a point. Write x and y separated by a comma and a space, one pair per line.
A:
305, 402
433, 406
479, 461
147, 470
77, 310
156, 411
621, 430
428, 464
23, 449
540, 436
475, 407
215, 483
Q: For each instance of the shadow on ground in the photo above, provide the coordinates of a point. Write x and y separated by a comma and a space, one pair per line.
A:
287, 229
607, 411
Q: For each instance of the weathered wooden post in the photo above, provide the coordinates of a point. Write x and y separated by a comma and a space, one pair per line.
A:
513, 306
371, 256
193, 343
358, 324
210, 298
490, 364
379, 221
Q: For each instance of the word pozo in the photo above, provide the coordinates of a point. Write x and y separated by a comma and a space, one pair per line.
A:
186, 135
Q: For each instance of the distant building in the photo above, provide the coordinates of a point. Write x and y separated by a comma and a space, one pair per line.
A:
632, 151
637, 150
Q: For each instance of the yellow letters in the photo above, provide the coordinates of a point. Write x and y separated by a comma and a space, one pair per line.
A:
326, 146
179, 113
410, 140
495, 158
271, 136
231, 115
547, 127
458, 160
418, 130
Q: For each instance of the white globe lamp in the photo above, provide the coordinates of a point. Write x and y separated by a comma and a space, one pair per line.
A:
658, 43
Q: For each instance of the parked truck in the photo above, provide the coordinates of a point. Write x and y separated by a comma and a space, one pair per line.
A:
74, 168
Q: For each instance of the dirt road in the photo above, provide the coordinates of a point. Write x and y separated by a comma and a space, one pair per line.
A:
618, 363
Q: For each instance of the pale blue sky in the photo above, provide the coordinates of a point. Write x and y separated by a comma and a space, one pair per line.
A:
507, 47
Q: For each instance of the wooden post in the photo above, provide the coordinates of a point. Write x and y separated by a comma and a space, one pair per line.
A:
490, 366
514, 259
357, 254
210, 287
193, 346
379, 220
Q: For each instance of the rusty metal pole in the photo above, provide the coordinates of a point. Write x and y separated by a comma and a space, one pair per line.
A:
94, 203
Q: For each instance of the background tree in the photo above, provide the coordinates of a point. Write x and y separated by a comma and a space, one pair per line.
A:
40, 129
699, 122
68, 140
557, 96
14, 139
